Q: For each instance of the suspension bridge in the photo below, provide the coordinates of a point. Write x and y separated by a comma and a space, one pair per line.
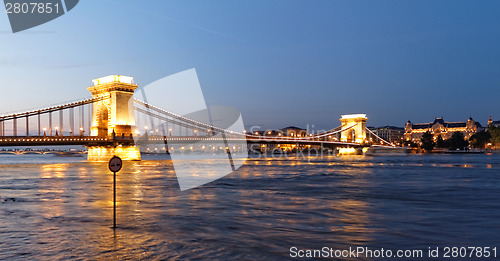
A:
109, 123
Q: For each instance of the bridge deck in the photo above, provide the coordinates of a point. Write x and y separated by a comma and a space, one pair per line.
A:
100, 141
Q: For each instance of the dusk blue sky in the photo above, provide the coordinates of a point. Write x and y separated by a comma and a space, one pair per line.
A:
280, 62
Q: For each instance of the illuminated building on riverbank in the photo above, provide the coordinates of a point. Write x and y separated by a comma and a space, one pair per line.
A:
414, 132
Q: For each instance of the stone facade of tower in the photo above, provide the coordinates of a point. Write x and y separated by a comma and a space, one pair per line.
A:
357, 133
113, 116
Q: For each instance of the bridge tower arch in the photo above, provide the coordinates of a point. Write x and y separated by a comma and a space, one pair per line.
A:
113, 116
357, 133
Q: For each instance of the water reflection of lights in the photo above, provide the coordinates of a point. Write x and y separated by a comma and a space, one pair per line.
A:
52, 188
53, 170
344, 151
348, 218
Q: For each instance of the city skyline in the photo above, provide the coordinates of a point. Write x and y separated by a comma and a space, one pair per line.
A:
281, 63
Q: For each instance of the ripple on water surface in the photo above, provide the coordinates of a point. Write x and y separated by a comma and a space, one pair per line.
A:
53, 208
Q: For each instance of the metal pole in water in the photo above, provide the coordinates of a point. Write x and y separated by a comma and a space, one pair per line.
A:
114, 199
114, 165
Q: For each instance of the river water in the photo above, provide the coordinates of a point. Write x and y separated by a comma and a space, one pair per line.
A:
55, 208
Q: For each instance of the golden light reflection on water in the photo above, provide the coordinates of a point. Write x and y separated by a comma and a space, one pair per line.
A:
52, 188
78, 208
346, 219
53, 170
273, 202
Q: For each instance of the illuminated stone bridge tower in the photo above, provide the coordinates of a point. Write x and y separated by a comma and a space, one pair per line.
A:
357, 133
113, 116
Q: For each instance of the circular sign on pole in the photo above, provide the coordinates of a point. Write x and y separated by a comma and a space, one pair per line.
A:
115, 164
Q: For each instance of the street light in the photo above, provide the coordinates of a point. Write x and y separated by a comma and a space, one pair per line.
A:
57, 128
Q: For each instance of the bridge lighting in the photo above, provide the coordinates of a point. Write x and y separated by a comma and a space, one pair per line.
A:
114, 78
353, 116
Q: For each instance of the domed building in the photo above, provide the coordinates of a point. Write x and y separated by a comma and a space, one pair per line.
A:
493, 123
